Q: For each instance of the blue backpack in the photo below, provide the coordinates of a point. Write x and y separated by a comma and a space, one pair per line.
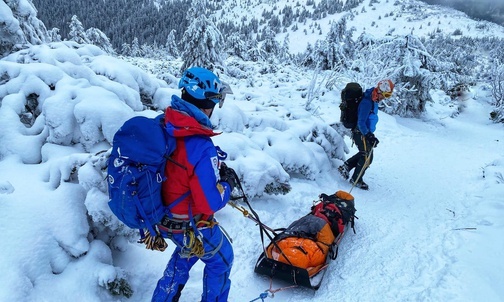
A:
136, 167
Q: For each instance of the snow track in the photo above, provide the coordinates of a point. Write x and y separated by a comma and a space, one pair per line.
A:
410, 241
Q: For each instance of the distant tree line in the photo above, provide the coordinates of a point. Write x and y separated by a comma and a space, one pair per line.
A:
151, 22
122, 21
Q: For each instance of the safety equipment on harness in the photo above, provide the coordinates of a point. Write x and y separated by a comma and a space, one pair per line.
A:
155, 243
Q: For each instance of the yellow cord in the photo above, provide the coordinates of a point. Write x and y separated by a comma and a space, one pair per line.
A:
154, 243
195, 244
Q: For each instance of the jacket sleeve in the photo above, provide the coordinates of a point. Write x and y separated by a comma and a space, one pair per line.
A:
208, 193
364, 110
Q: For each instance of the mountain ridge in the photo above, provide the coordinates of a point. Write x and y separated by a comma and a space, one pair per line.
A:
379, 18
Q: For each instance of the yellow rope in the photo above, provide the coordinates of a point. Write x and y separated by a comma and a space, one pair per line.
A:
241, 209
195, 244
154, 243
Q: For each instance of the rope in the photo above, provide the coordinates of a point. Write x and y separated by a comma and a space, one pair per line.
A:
262, 296
252, 215
194, 244
274, 291
247, 214
155, 243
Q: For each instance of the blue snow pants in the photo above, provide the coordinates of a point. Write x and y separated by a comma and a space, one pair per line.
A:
218, 263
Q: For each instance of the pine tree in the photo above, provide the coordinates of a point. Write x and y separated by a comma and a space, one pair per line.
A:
202, 40
236, 45
54, 35
98, 38
135, 48
77, 33
269, 45
171, 45
339, 46
20, 26
283, 52
126, 49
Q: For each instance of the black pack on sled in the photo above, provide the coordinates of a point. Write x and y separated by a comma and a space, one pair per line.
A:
301, 253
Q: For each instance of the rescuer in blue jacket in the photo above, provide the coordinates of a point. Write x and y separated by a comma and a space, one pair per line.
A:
197, 186
363, 135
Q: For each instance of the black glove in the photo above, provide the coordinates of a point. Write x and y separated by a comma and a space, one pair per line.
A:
372, 140
228, 175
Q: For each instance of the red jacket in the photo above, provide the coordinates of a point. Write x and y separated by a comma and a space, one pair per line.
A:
193, 168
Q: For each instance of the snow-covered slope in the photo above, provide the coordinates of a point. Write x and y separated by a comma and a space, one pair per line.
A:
378, 17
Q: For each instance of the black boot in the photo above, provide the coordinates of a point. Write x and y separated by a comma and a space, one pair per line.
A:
360, 184
344, 171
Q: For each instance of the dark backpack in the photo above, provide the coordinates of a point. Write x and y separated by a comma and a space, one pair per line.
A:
351, 96
136, 166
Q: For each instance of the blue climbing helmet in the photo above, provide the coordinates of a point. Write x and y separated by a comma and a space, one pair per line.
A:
203, 88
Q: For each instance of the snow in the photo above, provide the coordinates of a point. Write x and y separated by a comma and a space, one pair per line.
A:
377, 18
429, 229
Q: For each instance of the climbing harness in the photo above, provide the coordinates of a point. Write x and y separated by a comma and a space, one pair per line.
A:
193, 242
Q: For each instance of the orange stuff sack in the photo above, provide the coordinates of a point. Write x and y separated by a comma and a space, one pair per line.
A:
305, 243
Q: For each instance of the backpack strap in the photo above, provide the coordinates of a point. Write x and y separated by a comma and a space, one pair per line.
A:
144, 216
176, 202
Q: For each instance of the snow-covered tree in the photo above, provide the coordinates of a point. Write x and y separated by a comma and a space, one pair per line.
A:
306, 59
236, 45
126, 49
171, 44
338, 46
497, 115
283, 53
135, 50
20, 26
147, 50
412, 71
202, 41
100, 39
54, 35
269, 44
77, 33
254, 52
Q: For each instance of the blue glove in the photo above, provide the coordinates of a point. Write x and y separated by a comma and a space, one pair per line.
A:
371, 139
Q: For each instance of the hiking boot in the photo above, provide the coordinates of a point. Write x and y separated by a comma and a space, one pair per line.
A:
344, 171
360, 184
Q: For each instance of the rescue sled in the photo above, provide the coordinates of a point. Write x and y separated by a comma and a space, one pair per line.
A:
292, 255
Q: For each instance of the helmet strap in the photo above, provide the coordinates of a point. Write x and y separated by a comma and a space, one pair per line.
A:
202, 104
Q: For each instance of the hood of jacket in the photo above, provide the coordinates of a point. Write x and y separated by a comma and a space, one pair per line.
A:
181, 122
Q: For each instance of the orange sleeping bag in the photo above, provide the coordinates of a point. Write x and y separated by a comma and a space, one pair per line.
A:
301, 252
306, 242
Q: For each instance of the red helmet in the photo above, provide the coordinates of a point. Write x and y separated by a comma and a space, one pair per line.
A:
385, 88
